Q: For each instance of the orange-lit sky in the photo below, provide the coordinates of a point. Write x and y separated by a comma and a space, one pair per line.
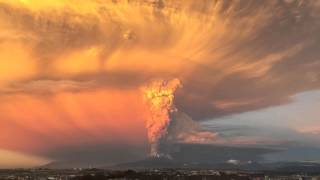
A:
71, 71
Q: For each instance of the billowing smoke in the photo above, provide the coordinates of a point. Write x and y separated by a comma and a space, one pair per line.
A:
183, 129
166, 123
159, 96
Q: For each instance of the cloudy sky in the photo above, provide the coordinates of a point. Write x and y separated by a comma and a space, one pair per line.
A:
71, 74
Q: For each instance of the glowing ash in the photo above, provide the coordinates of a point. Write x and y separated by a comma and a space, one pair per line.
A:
159, 96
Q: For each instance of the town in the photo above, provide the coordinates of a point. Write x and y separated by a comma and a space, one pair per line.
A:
154, 174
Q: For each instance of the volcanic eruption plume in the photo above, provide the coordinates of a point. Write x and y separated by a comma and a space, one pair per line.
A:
159, 96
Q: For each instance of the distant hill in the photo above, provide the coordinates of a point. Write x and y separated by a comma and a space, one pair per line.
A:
276, 167
201, 157
71, 164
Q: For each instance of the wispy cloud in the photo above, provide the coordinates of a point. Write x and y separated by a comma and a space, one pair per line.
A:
74, 69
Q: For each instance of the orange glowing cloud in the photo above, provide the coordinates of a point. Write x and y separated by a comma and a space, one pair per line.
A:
314, 130
29, 122
74, 63
9, 159
233, 104
16, 63
71, 70
204, 137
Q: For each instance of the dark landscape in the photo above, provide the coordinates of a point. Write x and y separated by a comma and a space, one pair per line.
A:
298, 173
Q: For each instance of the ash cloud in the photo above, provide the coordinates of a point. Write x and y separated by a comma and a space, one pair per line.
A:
253, 55
231, 56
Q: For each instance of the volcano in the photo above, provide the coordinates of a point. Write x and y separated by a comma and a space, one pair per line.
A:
203, 156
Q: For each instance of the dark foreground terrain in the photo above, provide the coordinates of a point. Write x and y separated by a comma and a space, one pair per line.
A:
154, 174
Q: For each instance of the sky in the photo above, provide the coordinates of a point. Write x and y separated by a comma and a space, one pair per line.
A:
108, 80
293, 127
